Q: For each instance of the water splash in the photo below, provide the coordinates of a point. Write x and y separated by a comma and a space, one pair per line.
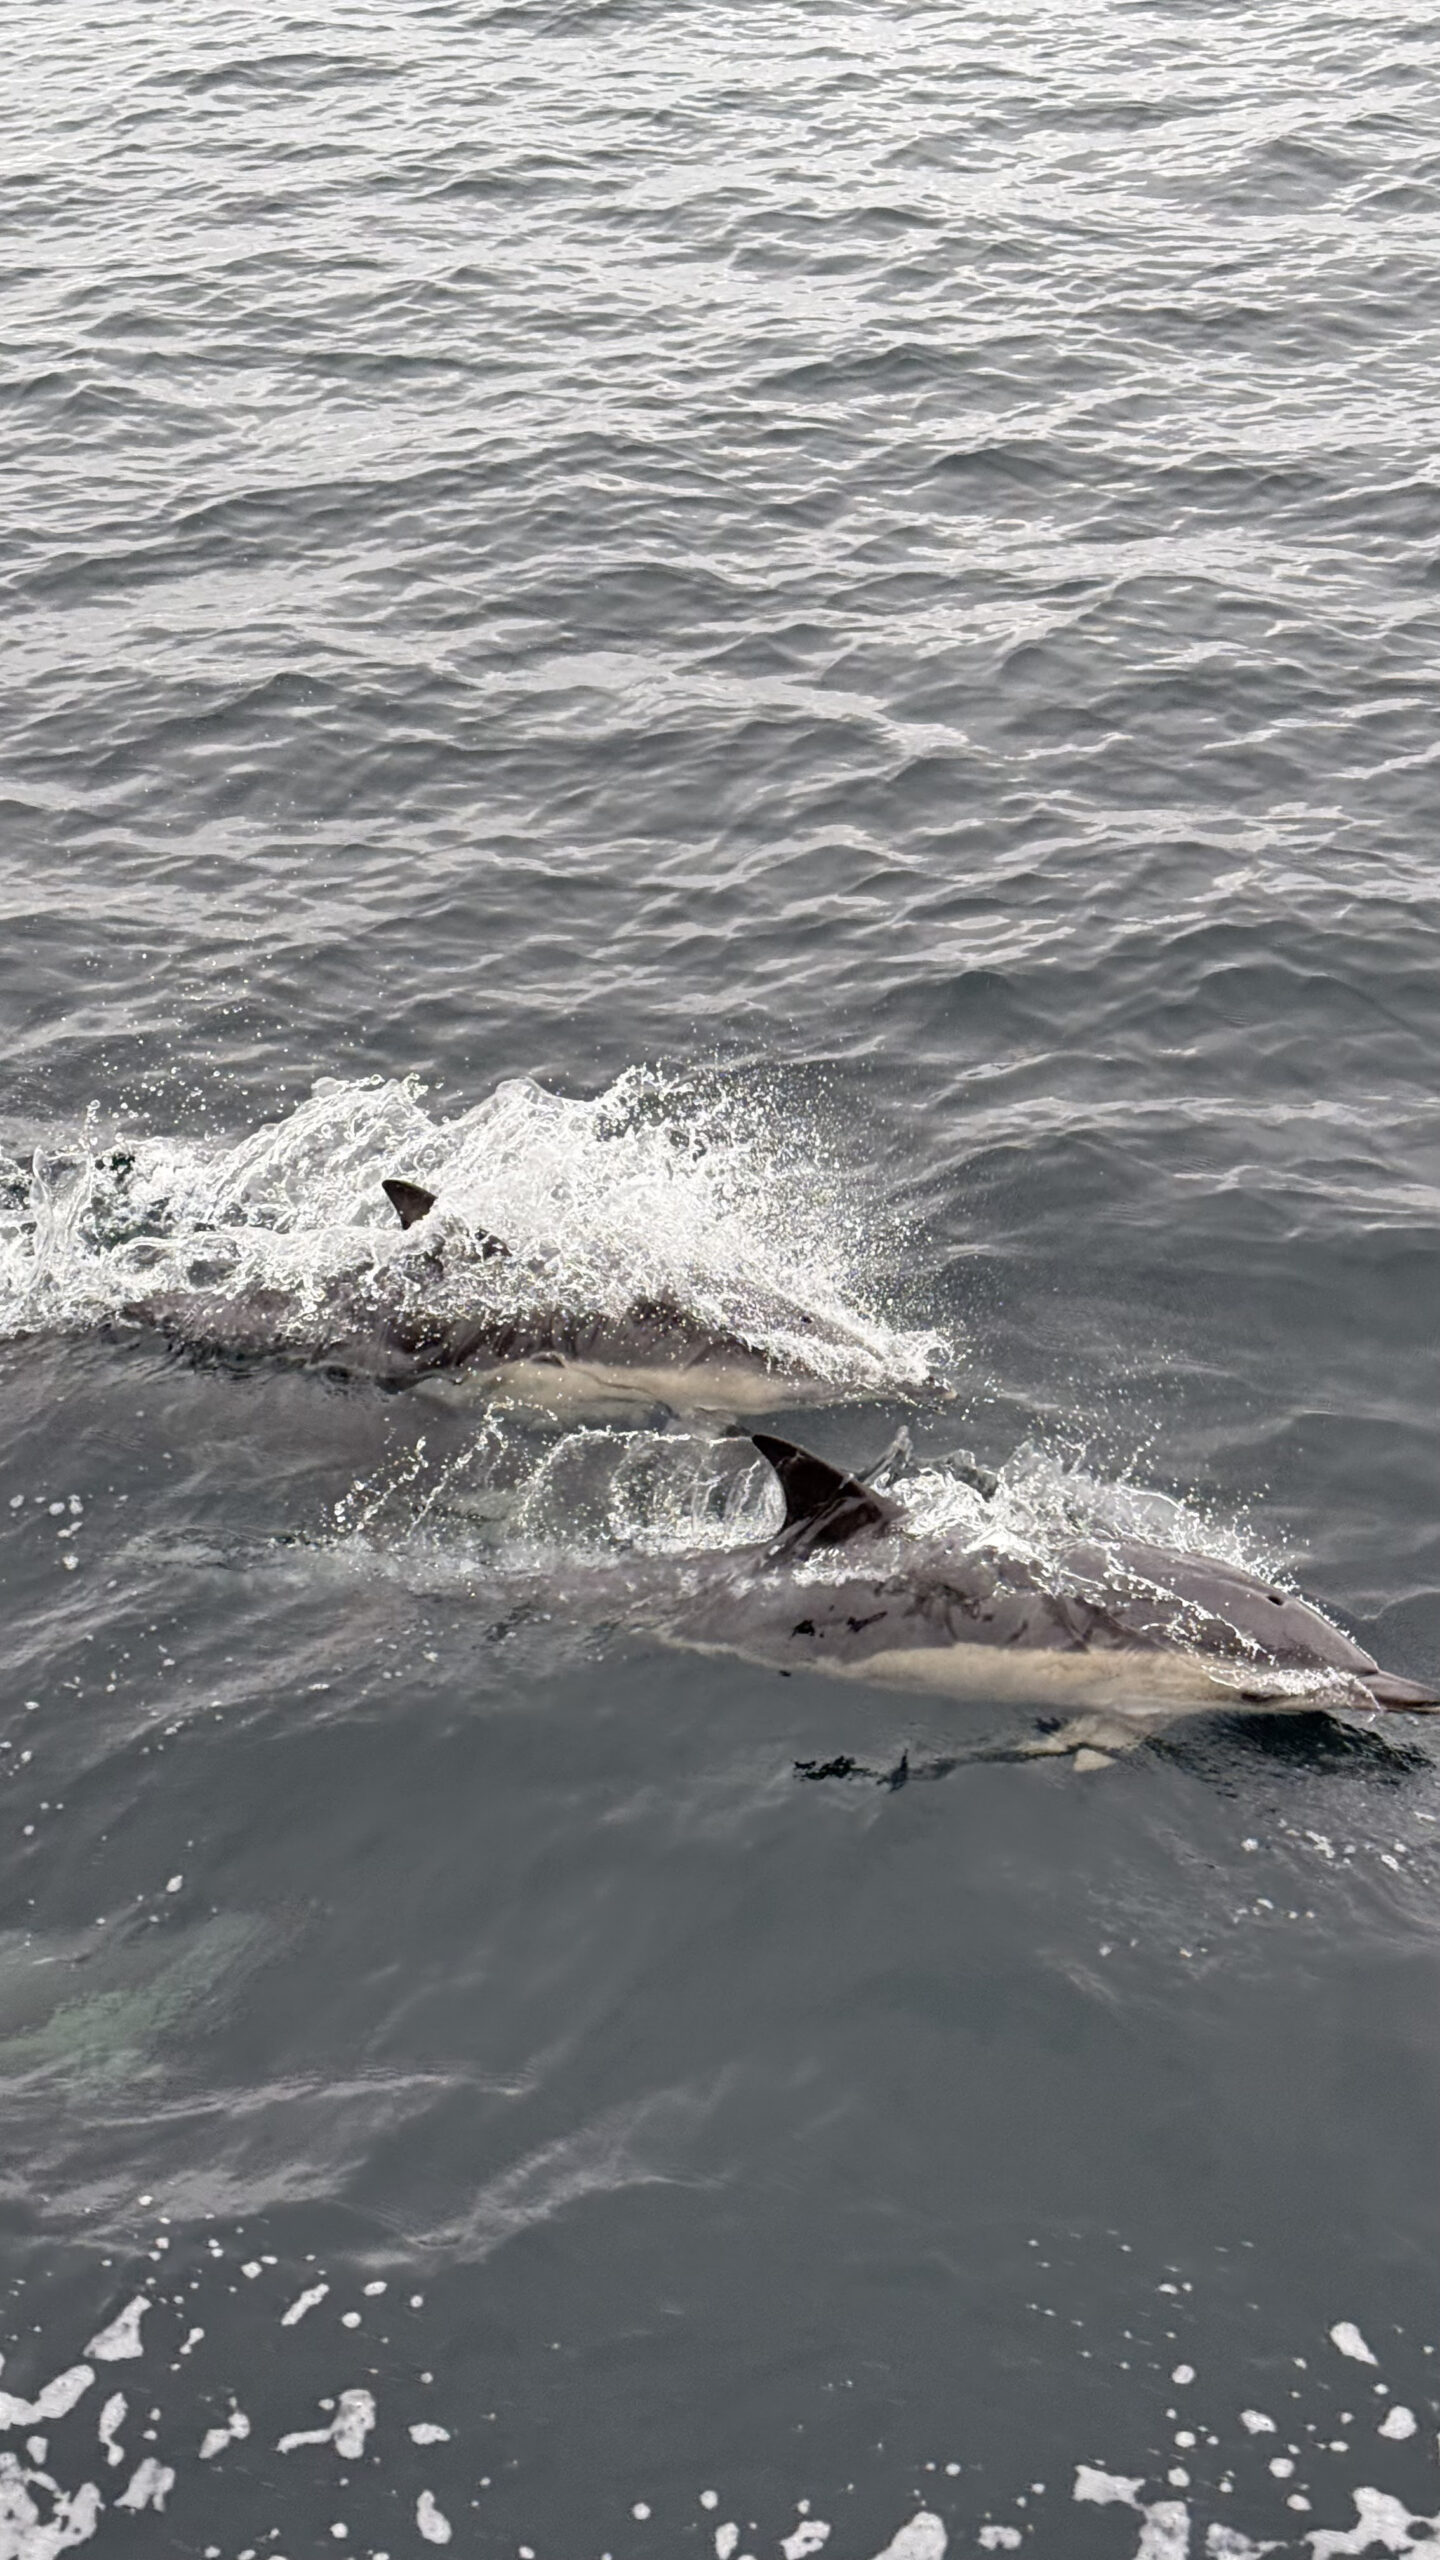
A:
591, 1495
658, 1188
1047, 1500
588, 1498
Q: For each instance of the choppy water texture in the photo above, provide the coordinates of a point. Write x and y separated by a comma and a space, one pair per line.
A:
853, 594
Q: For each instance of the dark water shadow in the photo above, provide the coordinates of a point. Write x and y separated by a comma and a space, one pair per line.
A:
1223, 1750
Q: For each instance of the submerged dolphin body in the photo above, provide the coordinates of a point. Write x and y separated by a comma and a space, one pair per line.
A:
1124, 1636
421, 1316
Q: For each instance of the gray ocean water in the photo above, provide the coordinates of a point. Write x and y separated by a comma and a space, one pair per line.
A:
832, 612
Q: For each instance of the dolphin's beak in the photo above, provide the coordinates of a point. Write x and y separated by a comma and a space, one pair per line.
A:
1388, 1690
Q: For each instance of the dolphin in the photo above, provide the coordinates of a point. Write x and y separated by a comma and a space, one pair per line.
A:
1124, 1636
455, 1306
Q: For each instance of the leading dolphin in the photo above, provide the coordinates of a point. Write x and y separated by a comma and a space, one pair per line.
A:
1123, 1635
454, 1305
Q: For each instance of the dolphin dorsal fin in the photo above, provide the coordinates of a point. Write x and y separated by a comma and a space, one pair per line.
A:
823, 1505
410, 1204
408, 1201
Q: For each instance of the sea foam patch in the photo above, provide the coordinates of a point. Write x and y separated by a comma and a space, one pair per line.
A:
374, 2435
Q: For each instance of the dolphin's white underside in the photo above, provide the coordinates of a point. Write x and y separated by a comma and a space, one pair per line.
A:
1140, 1683
1113, 1699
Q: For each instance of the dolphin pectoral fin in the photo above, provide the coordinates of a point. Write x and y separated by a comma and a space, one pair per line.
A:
408, 1201
1096, 1742
1041, 1746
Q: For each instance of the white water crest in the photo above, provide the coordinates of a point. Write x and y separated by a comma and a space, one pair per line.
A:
657, 1188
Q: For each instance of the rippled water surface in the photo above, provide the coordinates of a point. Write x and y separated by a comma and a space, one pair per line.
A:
840, 607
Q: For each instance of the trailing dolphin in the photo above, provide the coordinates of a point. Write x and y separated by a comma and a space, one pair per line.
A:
453, 1304
1123, 1635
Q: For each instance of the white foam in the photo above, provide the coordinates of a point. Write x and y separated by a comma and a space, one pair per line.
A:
923, 2538
1165, 2525
354, 2417
430, 2524
112, 2419
1098, 2488
299, 2436
1223, 2542
1347, 2338
727, 2541
303, 2302
234, 2431
149, 2486
1398, 2423
999, 2537
1382, 2520
30, 2535
426, 2432
122, 2338
55, 2400
1165, 2534
810, 2536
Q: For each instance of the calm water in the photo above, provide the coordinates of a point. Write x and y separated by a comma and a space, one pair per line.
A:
863, 586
